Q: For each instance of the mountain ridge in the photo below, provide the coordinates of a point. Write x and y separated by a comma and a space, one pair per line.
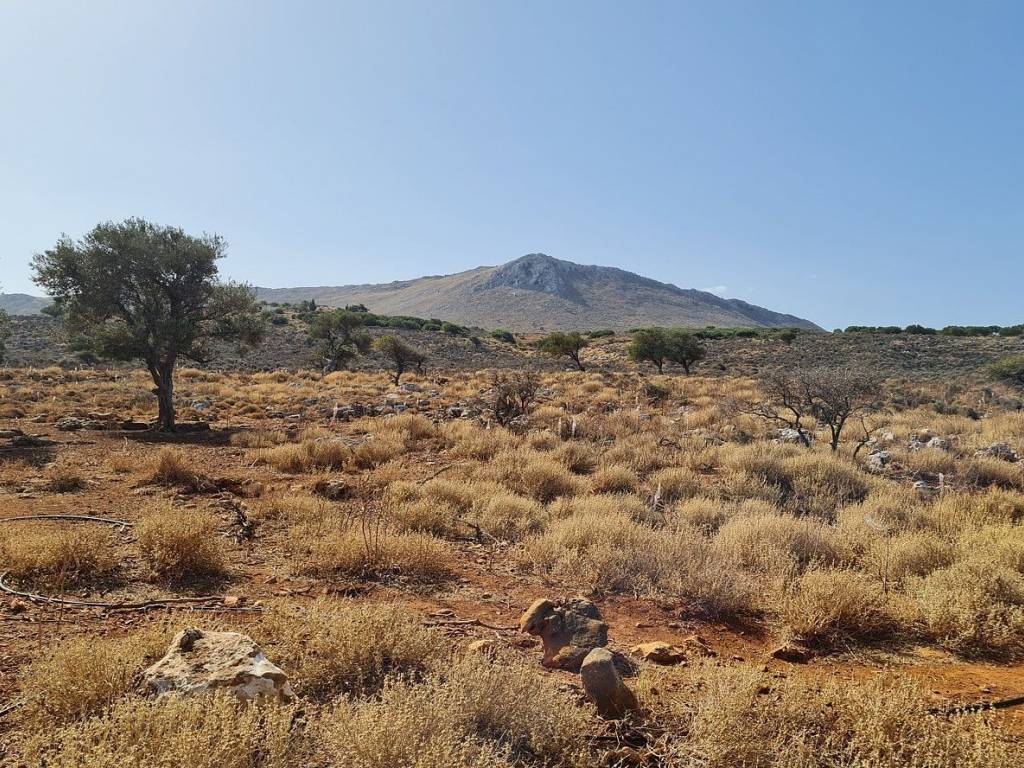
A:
537, 292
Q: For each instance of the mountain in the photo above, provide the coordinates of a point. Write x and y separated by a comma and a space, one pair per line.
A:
22, 303
541, 293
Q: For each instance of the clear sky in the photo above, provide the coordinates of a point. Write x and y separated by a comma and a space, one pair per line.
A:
858, 162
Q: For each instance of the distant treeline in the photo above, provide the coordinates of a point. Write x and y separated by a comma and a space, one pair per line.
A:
304, 310
949, 330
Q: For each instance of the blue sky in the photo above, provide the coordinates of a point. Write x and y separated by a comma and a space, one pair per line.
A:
857, 162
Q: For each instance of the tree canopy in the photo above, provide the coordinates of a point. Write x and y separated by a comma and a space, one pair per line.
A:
569, 345
402, 355
135, 290
341, 337
661, 345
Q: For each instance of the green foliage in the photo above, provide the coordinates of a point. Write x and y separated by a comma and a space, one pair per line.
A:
340, 337
920, 330
601, 333
661, 345
5, 333
401, 355
1009, 370
139, 291
502, 335
569, 345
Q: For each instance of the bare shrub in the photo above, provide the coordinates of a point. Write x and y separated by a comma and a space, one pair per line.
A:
828, 605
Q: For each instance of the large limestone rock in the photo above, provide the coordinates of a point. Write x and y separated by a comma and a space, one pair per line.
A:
603, 685
199, 661
568, 630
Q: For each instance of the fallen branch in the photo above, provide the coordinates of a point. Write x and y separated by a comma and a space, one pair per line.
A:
983, 706
194, 603
73, 518
470, 623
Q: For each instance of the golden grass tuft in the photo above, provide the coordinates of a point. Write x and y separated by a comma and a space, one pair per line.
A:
181, 544
57, 554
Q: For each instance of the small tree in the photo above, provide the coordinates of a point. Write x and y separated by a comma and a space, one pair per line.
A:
1009, 370
661, 345
340, 337
514, 395
569, 345
402, 356
649, 345
802, 400
684, 349
138, 291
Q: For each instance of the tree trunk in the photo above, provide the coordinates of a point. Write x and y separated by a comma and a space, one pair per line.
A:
660, 364
686, 367
163, 377
576, 359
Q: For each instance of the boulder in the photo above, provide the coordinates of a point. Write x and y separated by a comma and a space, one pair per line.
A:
998, 451
333, 490
603, 685
201, 661
878, 461
569, 630
938, 443
790, 436
660, 652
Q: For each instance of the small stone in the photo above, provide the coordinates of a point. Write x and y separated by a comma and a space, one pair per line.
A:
659, 652
794, 653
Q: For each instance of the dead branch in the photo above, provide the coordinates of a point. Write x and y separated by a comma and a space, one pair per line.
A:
73, 518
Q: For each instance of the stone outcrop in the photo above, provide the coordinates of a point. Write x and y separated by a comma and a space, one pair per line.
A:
568, 630
200, 661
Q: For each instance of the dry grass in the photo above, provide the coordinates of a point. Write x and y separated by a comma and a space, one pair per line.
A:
85, 677
181, 544
339, 648
307, 456
739, 716
174, 468
57, 554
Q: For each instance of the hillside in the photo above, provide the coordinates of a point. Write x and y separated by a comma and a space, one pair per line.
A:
538, 293
22, 303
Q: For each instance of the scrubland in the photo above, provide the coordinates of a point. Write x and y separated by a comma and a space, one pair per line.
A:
365, 542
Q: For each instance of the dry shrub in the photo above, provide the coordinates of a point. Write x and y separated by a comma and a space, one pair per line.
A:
829, 605
821, 484
508, 516
122, 463
612, 553
291, 507
174, 468
777, 543
641, 453
333, 648
892, 559
579, 458
366, 549
259, 438
545, 479
466, 440
380, 449
307, 456
84, 677
931, 460
181, 544
66, 481
423, 515
953, 512
975, 607
615, 479
1002, 543
675, 483
709, 514
57, 554
476, 713
728, 716
200, 732
411, 426
984, 472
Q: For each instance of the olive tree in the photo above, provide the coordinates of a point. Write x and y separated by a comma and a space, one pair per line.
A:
666, 345
401, 355
135, 290
569, 345
340, 336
